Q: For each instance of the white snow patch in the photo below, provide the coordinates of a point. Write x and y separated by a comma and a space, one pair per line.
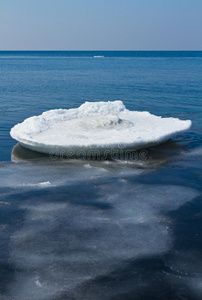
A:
38, 283
40, 184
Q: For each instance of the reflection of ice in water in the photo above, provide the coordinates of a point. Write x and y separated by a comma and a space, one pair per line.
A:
75, 235
144, 158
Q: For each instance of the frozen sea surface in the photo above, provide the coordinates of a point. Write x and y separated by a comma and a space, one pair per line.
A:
73, 227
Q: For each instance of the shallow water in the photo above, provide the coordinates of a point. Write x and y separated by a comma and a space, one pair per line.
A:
122, 228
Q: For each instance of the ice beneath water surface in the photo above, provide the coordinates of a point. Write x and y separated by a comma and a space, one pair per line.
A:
83, 224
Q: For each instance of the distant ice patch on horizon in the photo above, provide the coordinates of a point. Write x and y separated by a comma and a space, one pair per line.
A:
96, 126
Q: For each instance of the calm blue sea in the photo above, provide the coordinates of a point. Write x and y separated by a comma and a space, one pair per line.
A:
122, 229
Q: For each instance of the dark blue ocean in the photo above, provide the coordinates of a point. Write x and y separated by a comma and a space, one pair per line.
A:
111, 229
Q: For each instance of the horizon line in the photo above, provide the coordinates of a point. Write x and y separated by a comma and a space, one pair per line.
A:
107, 50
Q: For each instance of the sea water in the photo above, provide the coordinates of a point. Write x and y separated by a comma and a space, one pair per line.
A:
121, 228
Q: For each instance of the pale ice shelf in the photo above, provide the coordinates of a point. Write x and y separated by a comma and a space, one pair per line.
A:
70, 237
105, 127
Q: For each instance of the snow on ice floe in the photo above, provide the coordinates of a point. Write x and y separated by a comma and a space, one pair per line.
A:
95, 126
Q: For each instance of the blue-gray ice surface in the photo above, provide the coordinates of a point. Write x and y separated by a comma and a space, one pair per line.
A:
72, 222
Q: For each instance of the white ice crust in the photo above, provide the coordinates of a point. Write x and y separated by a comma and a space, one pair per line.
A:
95, 126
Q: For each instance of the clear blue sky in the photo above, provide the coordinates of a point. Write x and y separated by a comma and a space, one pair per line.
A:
100, 24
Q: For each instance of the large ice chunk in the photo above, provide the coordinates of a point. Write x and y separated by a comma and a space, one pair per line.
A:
95, 126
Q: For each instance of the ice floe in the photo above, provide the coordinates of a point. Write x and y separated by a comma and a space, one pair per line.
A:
106, 128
